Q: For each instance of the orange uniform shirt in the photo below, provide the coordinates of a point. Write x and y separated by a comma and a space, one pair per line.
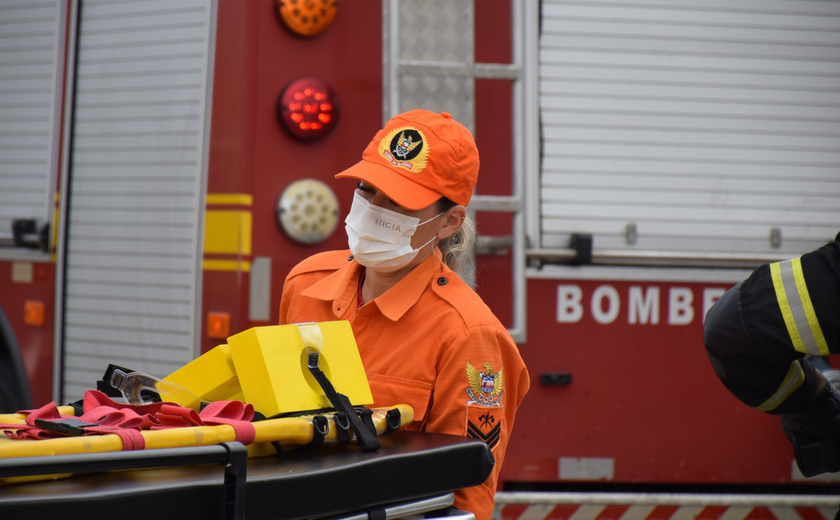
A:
429, 342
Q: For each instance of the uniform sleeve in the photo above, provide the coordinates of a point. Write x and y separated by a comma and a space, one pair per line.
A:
481, 381
759, 333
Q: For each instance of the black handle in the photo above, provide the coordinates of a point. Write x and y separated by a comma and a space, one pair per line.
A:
555, 378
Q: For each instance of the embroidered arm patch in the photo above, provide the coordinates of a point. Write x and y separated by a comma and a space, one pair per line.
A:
485, 388
484, 407
486, 427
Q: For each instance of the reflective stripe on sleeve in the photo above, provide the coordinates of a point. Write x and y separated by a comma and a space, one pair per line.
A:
793, 380
797, 310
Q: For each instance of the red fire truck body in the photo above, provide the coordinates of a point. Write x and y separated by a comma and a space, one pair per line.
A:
621, 389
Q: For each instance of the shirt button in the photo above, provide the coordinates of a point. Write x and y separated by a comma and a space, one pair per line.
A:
442, 281
349, 258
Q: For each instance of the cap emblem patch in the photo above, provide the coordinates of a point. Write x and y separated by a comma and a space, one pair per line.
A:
405, 147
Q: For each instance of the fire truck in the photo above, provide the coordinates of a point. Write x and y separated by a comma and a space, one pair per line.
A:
164, 164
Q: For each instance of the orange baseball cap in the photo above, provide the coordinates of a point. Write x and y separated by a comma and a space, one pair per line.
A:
419, 157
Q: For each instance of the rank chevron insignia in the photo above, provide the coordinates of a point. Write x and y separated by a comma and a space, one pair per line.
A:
491, 437
485, 387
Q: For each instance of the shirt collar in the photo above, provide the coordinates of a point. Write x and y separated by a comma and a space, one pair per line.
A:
341, 287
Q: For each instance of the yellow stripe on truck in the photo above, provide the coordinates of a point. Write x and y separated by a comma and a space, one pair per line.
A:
227, 232
230, 199
226, 265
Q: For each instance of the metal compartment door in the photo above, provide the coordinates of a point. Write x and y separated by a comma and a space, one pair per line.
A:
137, 177
682, 129
31, 62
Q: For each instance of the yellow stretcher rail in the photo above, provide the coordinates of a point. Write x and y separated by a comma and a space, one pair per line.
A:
291, 432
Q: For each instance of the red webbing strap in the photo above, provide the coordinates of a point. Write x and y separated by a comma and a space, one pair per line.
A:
123, 420
29, 431
234, 413
174, 416
131, 439
111, 417
94, 399
126, 421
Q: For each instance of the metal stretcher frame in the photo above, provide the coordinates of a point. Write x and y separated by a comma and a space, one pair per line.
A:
335, 481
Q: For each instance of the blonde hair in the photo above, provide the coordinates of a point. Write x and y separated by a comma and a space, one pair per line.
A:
457, 246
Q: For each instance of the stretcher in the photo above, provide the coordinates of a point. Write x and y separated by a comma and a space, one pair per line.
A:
289, 432
185, 456
412, 472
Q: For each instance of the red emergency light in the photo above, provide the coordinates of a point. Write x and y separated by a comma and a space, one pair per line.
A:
308, 108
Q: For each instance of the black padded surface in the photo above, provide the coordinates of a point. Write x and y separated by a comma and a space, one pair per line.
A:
306, 484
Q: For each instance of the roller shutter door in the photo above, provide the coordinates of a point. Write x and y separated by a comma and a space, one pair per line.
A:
689, 126
136, 194
31, 59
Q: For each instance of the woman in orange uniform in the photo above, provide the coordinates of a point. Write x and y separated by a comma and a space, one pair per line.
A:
425, 337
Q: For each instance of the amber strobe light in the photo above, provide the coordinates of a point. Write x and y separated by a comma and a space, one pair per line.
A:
307, 17
308, 108
218, 325
33, 313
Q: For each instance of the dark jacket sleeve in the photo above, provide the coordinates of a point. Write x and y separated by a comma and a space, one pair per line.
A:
752, 332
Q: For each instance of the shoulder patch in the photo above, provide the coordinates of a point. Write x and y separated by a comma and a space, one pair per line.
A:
484, 408
485, 387
484, 424
327, 261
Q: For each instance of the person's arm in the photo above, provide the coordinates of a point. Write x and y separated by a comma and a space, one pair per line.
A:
757, 336
483, 358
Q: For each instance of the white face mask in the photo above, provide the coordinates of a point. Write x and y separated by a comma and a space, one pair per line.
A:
380, 238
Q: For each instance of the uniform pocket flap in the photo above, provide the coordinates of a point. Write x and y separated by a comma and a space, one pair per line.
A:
390, 391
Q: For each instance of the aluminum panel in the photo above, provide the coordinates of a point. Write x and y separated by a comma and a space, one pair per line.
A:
688, 92
691, 229
127, 321
664, 75
696, 184
453, 95
437, 31
154, 307
111, 337
651, 42
711, 167
813, 7
693, 12
423, 23
669, 137
127, 277
151, 262
697, 249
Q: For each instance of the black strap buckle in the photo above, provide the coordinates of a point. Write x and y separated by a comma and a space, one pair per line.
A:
71, 427
342, 426
394, 420
320, 429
